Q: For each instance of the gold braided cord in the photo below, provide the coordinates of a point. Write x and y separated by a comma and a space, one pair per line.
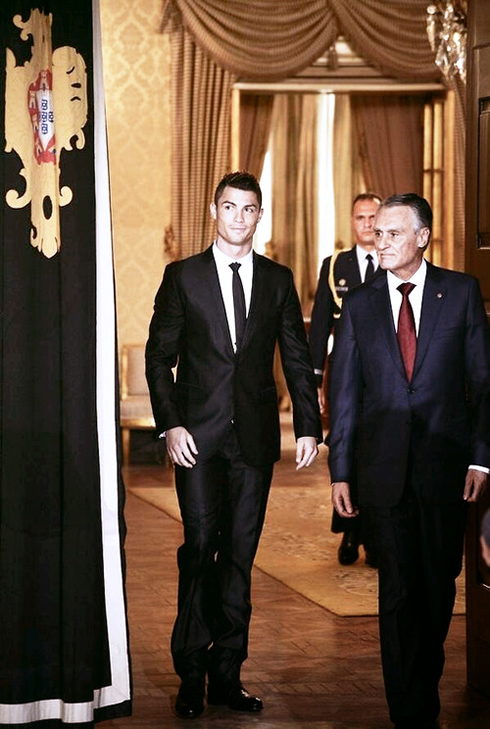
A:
331, 282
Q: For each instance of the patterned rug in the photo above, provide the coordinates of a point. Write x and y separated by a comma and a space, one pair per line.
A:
297, 547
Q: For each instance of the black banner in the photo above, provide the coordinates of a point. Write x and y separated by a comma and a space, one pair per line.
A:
63, 639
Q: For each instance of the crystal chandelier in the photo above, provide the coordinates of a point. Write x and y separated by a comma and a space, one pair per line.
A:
446, 30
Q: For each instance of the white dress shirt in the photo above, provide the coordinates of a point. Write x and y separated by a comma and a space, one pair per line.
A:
415, 296
362, 261
225, 275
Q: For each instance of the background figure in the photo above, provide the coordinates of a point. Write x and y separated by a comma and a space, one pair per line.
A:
350, 268
485, 538
219, 314
410, 346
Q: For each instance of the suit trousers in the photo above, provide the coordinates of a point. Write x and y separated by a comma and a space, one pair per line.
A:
420, 549
222, 502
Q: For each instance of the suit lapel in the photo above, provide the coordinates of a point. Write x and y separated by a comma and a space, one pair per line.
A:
432, 302
257, 294
384, 318
210, 282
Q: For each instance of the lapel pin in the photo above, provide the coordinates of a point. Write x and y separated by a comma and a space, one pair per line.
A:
440, 295
342, 282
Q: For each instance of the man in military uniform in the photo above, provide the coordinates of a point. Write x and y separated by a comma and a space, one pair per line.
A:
338, 274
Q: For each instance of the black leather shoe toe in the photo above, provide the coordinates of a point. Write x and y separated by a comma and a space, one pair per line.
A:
240, 700
190, 700
236, 697
349, 548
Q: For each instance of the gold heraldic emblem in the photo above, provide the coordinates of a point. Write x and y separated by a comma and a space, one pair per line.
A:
45, 112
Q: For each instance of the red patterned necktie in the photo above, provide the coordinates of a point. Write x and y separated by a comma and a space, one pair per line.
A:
407, 338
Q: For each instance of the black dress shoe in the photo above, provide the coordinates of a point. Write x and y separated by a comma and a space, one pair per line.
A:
419, 720
349, 548
418, 723
235, 696
190, 700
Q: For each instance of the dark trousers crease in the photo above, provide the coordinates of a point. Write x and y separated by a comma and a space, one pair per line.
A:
223, 503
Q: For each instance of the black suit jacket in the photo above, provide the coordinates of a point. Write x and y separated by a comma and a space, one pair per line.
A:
432, 428
213, 386
346, 276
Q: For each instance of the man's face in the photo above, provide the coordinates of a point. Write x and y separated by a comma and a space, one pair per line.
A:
237, 215
399, 245
363, 214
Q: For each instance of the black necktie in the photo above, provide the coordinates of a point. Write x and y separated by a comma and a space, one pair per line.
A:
238, 303
406, 334
369, 267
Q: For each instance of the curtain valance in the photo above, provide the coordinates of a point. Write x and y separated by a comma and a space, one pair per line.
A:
267, 39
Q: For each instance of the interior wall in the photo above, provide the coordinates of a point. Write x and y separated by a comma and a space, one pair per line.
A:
137, 92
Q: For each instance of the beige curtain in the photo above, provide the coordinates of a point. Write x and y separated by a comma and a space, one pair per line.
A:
201, 94
348, 175
255, 125
258, 39
294, 210
390, 35
294, 176
304, 245
277, 38
390, 137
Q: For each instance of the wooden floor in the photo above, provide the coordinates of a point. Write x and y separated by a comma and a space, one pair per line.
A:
312, 669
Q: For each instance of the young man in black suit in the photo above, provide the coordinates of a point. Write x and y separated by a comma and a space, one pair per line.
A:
218, 316
410, 411
338, 275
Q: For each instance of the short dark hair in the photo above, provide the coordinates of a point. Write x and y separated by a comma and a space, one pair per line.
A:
366, 196
419, 205
241, 180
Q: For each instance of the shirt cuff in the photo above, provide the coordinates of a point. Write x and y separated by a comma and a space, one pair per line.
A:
484, 469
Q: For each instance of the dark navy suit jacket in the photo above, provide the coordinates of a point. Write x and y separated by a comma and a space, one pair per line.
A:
431, 428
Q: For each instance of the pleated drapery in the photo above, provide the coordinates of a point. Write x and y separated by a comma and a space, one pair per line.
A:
270, 39
348, 177
201, 93
255, 125
260, 38
390, 140
216, 41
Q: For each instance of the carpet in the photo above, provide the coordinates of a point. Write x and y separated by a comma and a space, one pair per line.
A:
297, 547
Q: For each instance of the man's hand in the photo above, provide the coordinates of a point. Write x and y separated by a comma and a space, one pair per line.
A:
341, 499
306, 451
181, 447
475, 484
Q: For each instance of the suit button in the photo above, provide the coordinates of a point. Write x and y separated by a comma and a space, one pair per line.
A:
410, 390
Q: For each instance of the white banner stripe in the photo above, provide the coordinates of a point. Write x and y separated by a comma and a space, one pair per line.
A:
106, 392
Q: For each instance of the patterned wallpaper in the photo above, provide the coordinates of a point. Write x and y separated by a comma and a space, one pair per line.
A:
137, 88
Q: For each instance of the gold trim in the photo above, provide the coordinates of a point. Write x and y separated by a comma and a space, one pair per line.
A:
331, 282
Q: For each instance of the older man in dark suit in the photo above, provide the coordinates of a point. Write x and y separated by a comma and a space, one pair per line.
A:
218, 316
410, 407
